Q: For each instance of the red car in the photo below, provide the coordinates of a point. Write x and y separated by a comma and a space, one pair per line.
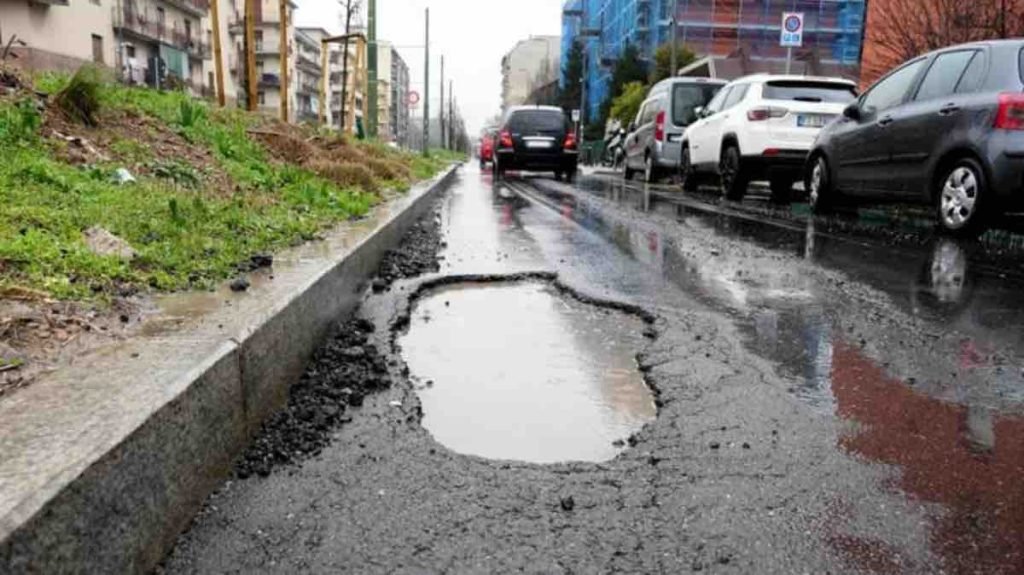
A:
486, 149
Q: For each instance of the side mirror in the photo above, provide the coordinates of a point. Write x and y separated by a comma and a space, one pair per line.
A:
852, 111
700, 112
632, 126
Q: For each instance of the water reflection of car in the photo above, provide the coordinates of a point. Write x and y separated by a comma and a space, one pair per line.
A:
536, 138
653, 139
761, 127
945, 129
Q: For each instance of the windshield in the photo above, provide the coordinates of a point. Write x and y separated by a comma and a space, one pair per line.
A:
803, 91
686, 98
544, 121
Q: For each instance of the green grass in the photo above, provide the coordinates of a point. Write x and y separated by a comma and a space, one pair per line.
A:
186, 236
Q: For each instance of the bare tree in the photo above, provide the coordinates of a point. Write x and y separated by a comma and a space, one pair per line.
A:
902, 29
351, 7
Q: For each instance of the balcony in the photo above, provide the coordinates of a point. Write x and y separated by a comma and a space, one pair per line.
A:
308, 88
269, 81
309, 61
197, 8
147, 27
268, 48
50, 2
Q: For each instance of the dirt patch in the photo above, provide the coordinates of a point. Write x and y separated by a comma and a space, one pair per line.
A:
417, 255
37, 335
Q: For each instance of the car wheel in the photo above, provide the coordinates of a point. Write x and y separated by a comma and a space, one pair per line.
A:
820, 193
686, 172
649, 175
961, 199
558, 175
782, 189
734, 178
627, 172
570, 176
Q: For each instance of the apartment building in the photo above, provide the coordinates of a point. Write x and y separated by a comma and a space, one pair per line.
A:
530, 64
309, 73
125, 35
399, 98
270, 43
743, 32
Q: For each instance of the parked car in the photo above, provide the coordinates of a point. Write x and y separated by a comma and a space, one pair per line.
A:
946, 128
653, 141
536, 138
487, 148
761, 127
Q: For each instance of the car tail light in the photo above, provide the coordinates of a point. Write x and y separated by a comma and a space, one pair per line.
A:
506, 139
659, 127
570, 141
1011, 112
765, 113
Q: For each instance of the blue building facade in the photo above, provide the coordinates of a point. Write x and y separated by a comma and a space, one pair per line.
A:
721, 28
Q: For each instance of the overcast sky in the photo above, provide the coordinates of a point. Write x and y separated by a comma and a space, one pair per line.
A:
473, 35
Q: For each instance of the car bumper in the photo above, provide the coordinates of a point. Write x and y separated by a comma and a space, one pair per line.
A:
788, 163
511, 160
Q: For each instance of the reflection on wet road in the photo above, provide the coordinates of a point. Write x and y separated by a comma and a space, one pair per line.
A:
913, 340
519, 372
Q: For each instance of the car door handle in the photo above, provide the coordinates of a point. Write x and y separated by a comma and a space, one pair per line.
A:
949, 109
884, 121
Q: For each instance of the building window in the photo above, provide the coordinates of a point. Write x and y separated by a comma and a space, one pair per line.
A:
96, 2
97, 49
129, 51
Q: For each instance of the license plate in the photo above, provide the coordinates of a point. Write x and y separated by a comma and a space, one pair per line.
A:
811, 120
536, 144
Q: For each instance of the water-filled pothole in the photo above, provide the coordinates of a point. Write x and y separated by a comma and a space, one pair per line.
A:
522, 372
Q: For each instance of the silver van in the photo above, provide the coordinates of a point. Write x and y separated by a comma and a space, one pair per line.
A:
654, 138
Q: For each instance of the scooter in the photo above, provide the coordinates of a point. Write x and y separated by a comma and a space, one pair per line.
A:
614, 150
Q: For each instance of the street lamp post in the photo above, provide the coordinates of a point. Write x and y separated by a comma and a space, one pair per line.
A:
672, 21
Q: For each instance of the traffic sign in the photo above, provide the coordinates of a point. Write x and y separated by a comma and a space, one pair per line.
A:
413, 98
792, 30
575, 115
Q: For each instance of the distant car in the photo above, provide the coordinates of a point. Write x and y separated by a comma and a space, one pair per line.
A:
487, 148
761, 127
946, 128
536, 138
653, 140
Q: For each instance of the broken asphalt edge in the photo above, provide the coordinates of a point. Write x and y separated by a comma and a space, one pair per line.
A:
119, 505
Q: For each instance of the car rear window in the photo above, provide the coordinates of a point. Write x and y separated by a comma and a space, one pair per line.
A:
537, 121
687, 97
803, 91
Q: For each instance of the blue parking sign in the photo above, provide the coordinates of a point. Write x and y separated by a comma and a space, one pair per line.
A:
792, 35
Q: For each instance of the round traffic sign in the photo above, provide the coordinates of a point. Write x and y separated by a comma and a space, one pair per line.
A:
413, 98
793, 23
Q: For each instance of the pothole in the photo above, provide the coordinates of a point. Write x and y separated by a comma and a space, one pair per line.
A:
519, 371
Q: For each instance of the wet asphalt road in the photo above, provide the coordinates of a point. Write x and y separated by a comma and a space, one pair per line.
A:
841, 396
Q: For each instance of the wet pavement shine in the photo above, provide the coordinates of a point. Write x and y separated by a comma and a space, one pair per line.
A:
839, 395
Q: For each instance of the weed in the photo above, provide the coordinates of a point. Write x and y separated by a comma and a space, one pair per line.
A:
191, 113
80, 98
346, 175
178, 172
19, 124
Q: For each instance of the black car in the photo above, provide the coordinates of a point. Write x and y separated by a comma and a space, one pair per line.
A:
946, 128
536, 138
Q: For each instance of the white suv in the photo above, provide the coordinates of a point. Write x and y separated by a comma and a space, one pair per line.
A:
761, 127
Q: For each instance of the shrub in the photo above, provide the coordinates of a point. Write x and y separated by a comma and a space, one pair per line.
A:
191, 113
80, 99
19, 123
346, 175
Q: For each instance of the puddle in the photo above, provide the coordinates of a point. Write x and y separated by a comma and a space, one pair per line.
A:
520, 372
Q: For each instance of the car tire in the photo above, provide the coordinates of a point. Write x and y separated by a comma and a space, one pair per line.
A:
820, 190
782, 190
961, 199
570, 176
558, 175
686, 172
499, 170
650, 175
734, 178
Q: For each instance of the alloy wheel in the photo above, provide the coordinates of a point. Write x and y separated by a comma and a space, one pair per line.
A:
959, 197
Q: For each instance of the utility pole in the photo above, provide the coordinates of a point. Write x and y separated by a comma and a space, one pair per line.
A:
250, 55
440, 111
675, 6
282, 6
451, 115
371, 33
218, 62
426, 89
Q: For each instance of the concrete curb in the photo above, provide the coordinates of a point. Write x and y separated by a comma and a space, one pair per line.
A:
118, 490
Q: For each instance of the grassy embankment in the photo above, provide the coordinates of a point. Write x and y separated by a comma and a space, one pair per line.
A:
213, 188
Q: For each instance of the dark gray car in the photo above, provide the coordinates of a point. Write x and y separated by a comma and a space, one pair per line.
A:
946, 128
